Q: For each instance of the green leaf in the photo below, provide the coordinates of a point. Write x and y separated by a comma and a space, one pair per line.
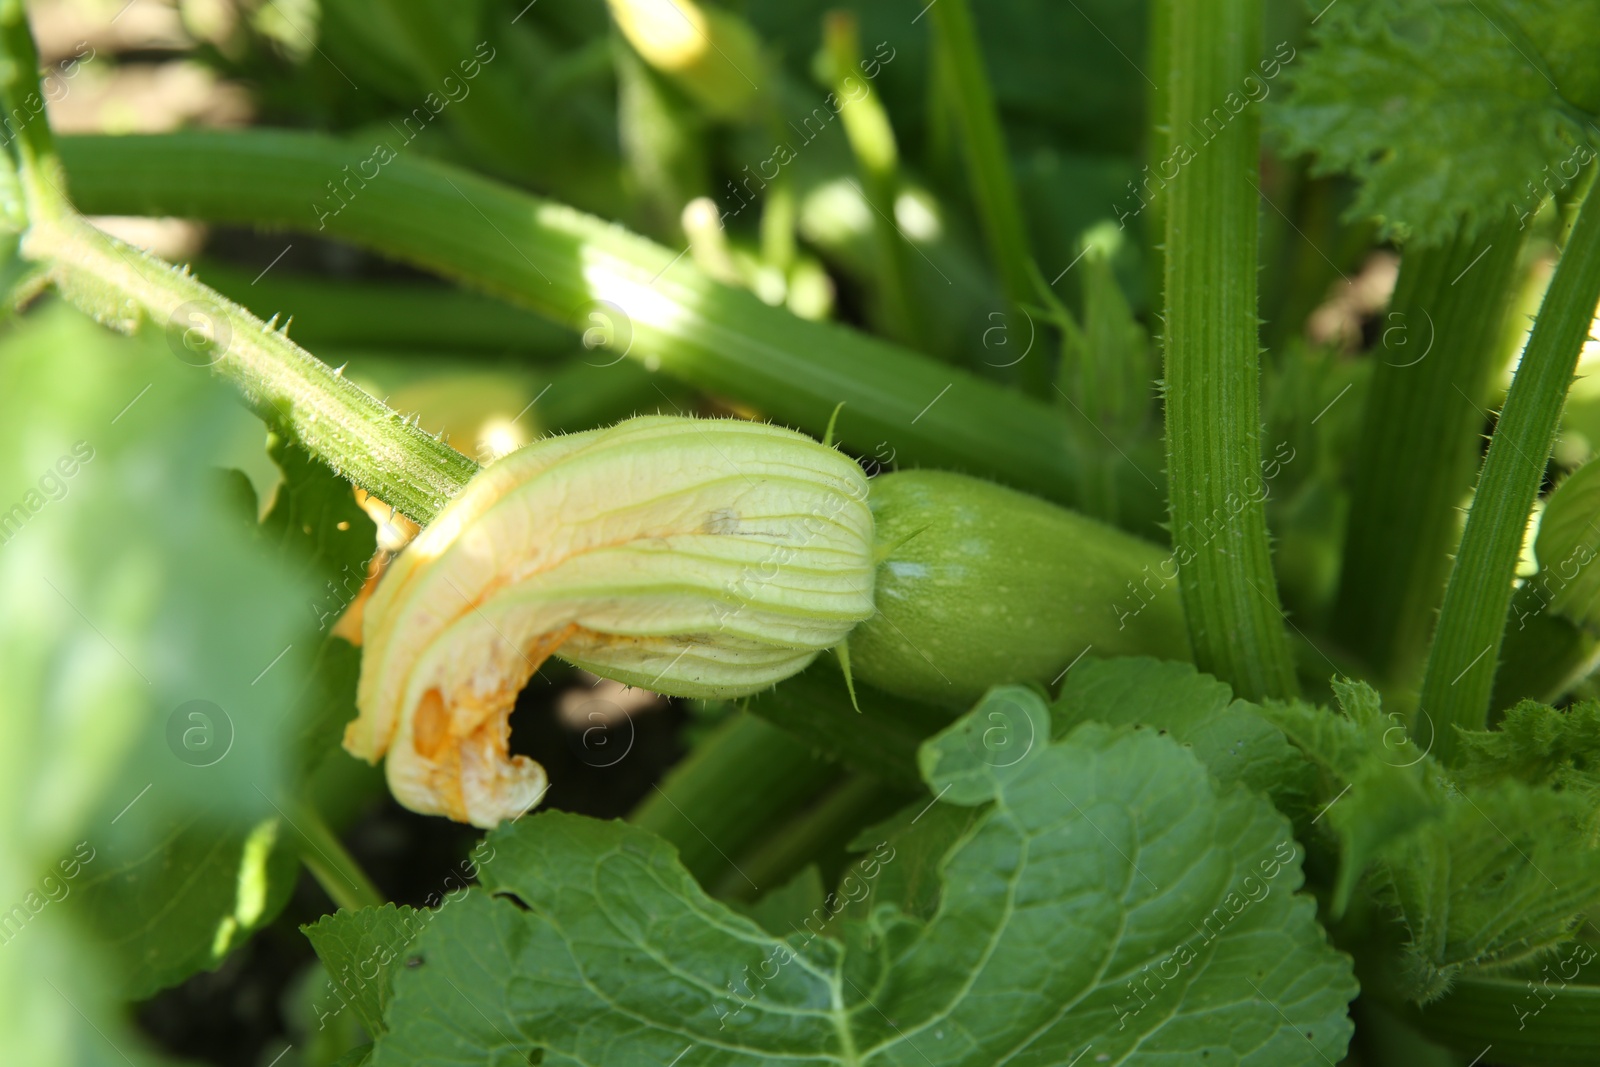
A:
589, 943
327, 702
1104, 377
1540, 745
1502, 878
316, 527
181, 902
1568, 541
1447, 109
1537, 744
316, 1023
1229, 736
186, 900
356, 1057
1506, 859
362, 951
135, 593
1376, 781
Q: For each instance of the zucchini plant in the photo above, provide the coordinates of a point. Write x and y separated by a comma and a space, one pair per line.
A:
1034, 585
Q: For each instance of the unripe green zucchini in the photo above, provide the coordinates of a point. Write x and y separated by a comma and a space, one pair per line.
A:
981, 585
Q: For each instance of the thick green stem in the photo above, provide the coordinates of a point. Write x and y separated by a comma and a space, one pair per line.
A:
390, 314
1419, 445
1559, 1027
1466, 649
988, 163
638, 298
1219, 521
816, 833
26, 121
743, 780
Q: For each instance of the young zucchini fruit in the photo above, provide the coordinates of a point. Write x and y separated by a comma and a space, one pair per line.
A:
980, 585
715, 558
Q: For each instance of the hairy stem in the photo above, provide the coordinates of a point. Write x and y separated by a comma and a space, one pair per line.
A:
630, 296
363, 440
125, 288
1212, 359
1419, 444
1459, 679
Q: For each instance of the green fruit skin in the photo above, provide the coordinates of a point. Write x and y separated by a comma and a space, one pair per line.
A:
982, 585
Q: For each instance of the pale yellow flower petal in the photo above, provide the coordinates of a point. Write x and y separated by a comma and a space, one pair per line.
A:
692, 557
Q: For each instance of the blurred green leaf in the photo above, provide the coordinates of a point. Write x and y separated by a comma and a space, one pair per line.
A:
1540, 745
1056, 78
197, 893
317, 529
188, 899
147, 662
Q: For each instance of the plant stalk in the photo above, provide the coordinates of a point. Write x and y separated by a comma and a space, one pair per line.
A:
421, 316
363, 440
988, 165
826, 826
331, 864
38, 166
1157, 142
1459, 679
1212, 357
872, 141
631, 297
737, 784
1420, 441
124, 288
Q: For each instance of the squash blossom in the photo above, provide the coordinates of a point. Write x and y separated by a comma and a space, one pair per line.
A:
694, 557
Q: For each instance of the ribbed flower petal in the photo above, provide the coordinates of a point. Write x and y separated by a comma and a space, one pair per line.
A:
695, 557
